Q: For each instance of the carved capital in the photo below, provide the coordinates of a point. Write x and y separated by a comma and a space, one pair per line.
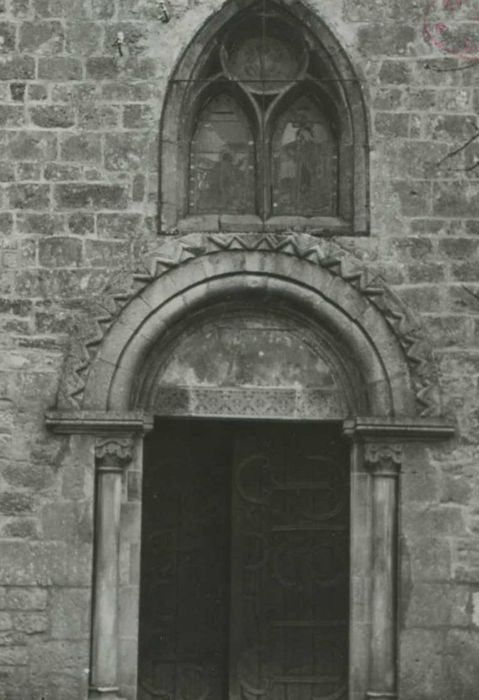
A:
113, 454
383, 459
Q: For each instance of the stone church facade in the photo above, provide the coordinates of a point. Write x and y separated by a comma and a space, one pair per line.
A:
239, 378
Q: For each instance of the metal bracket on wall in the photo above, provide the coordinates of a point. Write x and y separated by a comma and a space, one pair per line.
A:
165, 12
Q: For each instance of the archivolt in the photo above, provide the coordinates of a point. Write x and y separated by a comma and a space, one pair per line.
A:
370, 320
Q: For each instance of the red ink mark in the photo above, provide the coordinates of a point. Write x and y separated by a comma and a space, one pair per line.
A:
444, 36
452, 5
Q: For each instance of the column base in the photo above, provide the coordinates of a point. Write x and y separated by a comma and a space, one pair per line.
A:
104, 694
381, 695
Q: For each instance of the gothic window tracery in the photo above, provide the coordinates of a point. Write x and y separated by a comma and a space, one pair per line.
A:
264, 127
265, 138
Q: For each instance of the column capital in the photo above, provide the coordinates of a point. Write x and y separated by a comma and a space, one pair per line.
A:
383, 459
113, 453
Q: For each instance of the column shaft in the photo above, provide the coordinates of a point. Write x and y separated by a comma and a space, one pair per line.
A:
112, 455
105, 605
383, 607
384, 464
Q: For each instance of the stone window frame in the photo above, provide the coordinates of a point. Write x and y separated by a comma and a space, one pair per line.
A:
182, 104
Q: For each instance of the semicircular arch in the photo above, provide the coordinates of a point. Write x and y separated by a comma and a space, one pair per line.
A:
369, 328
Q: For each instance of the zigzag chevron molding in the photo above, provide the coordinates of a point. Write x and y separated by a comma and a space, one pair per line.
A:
405, 329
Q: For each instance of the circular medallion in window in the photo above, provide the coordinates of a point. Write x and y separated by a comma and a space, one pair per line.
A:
264, 58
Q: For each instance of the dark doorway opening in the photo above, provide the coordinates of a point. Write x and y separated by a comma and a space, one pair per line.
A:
245, 561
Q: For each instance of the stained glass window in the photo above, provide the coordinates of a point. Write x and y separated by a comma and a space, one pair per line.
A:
304, 162
256, 149
222, 160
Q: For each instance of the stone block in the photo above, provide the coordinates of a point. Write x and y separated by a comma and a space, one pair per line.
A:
127, 151
55, 172
37, 92
426, 272
17, 91
77, 9
429, 557
7, 172
26, 598
6, 223
107, 253
447, 331
392, 39
42, 224
29, 171
60, 68
414, 196
29, 196
42, 38
395, 73
95, 116
138, 188
139, 116
68, 521
53, 116
31, 622
60, 252
388, 99
81, 223
6, 621
15, 67
15, 503
30, 146
69, 616
98, 196
119, 225
456, 199
44, 564
83, 38
104, 9
81, 148
422, 298
459, 248
7, 37
102, 68
422, 665
461, 670
13, 656
433, 605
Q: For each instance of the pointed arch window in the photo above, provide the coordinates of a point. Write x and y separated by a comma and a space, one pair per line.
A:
264, 129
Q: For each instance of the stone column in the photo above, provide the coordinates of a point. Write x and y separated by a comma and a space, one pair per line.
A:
111, 457
384, 464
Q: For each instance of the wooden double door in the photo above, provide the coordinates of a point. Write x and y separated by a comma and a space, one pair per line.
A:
245, 562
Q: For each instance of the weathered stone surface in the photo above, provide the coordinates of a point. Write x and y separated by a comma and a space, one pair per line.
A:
42, 37
61, 68
54, 117
29, 196
81, 148
90, 196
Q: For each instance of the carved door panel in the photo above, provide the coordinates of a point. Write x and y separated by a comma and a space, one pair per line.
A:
184, 601
245, 567
290, 565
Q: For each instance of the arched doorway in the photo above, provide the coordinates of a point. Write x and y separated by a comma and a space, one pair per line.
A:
246, 505
356, 341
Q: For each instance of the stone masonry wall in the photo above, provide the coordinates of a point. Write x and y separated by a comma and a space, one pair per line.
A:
78, 196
